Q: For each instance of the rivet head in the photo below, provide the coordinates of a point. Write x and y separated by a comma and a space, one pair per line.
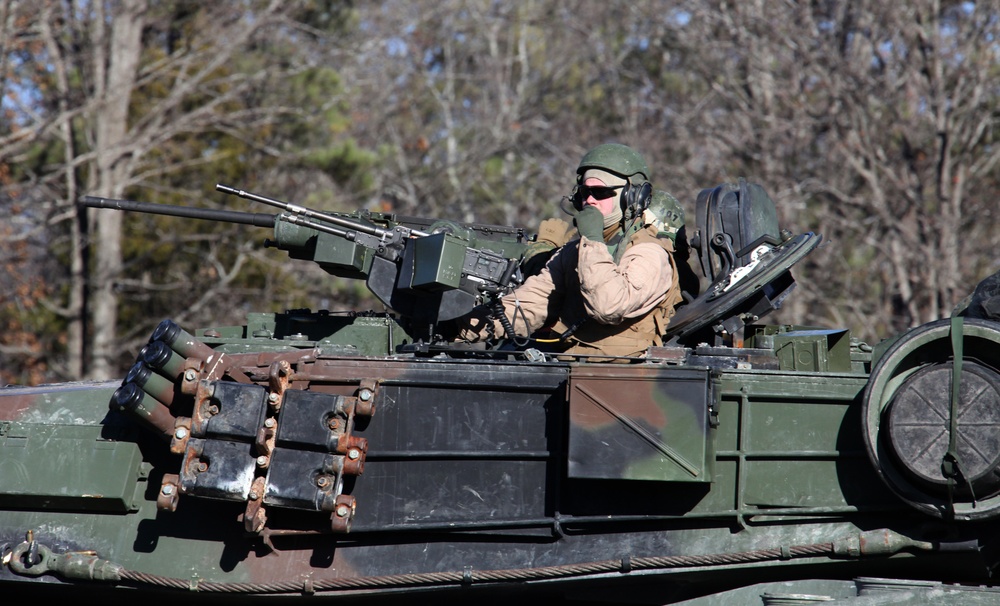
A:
272, 397
262, 460
269, 422
167, 490
180, 433
343, 510
353, 454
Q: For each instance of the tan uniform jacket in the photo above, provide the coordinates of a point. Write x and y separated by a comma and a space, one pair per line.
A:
608, 305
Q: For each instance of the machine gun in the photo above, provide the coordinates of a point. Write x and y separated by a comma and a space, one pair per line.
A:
426, 271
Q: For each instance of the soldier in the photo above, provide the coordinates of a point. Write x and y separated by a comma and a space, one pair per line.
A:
612, 290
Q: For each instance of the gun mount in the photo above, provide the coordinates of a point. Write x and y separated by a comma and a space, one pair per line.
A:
427, 271
305, 455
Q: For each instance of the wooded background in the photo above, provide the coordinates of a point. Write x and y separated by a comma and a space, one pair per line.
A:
872, 123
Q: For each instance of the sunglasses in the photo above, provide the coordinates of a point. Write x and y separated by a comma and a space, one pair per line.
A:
599, 192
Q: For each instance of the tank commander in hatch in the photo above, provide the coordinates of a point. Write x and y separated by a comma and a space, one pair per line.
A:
610, 292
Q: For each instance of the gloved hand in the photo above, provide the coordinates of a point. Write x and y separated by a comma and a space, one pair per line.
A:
590, 223
473, 326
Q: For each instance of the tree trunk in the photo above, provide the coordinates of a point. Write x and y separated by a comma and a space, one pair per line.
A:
112, 177
75, 310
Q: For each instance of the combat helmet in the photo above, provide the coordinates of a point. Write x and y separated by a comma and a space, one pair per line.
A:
625, 162
666, 213
618, 159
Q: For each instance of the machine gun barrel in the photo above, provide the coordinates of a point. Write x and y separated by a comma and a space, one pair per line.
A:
427, 276
295, 209
227, 216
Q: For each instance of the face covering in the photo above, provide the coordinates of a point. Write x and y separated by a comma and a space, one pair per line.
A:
614, 217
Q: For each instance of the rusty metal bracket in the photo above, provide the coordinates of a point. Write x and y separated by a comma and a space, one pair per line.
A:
354, 448
204, 408
182, 433
343, 513
191, 376
279, 377
255, 517
266, 437
166, 499
367, 394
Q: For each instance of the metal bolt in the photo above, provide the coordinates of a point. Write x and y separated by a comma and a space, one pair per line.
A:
180, 433
213, 409
167, 490
333, 423
353, 454
262, 460
343, 510
253, 496
269, 422
202, 467
189, 375
365, 394
273, 397
322, 481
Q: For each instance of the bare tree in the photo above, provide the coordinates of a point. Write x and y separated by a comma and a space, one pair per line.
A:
487, 107
116, 70
122, 91
868, 122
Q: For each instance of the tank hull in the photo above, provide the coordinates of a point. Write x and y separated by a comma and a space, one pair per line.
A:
659, 481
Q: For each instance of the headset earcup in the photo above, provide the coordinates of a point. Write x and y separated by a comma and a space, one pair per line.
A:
625, 200
635, 198
642, 196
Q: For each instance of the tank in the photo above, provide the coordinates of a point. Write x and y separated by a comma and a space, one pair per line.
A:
369, 458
